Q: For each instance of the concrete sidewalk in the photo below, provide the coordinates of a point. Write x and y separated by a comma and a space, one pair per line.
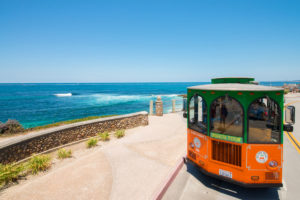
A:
129, 168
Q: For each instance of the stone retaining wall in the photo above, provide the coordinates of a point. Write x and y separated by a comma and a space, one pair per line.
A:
18, 148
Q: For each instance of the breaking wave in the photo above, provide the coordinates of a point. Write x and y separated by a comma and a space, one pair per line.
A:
112, 99
63, 95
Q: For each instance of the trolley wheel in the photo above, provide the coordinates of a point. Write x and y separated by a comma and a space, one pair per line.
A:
184, 160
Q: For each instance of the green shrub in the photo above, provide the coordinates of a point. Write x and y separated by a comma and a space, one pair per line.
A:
104, 136
39, 163
63, 153
11, 126
10, 172
120, 133
286, 91
91, 142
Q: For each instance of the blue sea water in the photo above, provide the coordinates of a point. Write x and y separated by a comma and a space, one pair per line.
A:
39, 104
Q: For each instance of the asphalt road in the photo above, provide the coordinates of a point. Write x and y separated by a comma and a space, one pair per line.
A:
192, 184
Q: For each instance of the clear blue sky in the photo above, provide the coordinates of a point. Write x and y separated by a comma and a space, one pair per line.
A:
148, 41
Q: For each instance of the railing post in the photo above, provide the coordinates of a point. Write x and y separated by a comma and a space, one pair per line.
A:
184, 107
173, 106
159, 106
151, 107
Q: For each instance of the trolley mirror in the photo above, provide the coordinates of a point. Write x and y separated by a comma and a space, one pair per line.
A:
290, 115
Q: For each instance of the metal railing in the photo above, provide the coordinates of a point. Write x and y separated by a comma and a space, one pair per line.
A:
174, 105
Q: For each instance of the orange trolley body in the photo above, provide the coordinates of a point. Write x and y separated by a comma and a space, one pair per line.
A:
235, 131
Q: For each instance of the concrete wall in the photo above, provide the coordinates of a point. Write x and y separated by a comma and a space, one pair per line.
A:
18, 148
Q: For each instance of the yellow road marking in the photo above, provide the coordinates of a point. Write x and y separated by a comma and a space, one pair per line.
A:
293, 141
290, 103
291, 137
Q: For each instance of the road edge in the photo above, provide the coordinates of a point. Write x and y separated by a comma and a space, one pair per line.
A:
163, 187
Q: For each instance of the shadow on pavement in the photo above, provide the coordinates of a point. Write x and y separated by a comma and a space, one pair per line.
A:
231, 189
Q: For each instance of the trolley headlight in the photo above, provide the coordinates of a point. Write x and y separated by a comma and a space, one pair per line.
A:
255, 178
273, 163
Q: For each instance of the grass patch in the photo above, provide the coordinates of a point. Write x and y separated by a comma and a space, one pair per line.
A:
68, 122
39, 163
37, 128
120, 133
91, 142
10, 172
182, 95
286, 91
104, 136
63, 153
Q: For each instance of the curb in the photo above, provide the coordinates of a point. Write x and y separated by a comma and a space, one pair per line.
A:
168, 181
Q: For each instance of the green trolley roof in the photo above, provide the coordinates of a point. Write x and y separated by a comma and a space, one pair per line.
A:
243, 80
235, 87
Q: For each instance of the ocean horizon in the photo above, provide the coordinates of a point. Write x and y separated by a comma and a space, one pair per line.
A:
36, 104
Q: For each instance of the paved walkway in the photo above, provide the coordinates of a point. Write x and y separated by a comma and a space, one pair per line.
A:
129, 168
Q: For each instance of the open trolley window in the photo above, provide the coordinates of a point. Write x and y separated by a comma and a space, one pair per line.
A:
226, 118
198, 114
264, 121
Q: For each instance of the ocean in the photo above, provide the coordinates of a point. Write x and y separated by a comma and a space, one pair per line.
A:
36, 104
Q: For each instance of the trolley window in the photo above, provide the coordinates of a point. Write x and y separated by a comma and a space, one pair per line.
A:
226, 116
264, 121
198, 114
